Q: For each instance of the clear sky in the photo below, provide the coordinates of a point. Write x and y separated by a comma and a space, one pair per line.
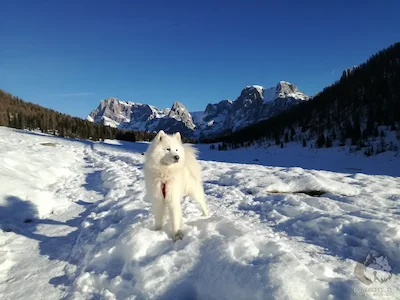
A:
68, 55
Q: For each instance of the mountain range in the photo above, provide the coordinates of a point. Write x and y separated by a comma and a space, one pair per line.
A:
254, 104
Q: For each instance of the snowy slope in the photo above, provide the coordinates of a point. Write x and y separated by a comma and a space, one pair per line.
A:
90, 235
42, 188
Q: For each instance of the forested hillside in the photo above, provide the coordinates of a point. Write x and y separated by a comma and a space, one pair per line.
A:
19, 114
351, 110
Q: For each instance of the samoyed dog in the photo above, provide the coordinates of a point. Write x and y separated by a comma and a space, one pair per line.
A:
171, 171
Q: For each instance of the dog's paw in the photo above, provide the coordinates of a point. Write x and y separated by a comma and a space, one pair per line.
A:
178, 236
206, 213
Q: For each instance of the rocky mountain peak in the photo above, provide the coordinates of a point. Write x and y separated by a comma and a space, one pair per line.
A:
254, 104
177, 105
285, 88
179, 112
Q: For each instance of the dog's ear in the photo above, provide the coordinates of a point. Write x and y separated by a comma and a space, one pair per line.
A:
178, 136
160, 135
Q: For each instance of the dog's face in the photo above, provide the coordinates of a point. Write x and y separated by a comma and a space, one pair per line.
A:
168, 149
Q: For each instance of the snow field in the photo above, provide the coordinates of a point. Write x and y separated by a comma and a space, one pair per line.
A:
266, 238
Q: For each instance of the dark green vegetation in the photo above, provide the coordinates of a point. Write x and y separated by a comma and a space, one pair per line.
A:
350, 109
19, 114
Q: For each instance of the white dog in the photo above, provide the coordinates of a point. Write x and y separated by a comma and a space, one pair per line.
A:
171, 171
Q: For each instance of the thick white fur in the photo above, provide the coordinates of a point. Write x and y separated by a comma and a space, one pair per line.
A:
182, 177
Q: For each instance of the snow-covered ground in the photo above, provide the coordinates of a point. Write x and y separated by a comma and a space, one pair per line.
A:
285, 225
335, 159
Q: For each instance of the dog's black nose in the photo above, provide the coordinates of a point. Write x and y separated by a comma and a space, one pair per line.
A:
176, 157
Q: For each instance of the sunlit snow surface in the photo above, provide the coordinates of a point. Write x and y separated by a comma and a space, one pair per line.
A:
74, 224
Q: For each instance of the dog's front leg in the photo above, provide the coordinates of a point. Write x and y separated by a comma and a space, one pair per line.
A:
158, 212
175, 212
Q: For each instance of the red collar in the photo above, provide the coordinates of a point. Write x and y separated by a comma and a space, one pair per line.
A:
164, 189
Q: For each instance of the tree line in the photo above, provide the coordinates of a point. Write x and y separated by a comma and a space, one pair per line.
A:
19, 114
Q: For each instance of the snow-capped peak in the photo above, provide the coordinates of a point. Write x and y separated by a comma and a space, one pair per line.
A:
259, 88
283, 89
178, 106
115, 100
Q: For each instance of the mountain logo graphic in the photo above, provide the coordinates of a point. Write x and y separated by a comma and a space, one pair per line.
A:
372, 269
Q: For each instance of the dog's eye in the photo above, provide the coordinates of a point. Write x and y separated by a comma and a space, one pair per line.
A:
176, 150
168, 149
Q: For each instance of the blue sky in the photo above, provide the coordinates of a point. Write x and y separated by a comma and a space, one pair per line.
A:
68, 55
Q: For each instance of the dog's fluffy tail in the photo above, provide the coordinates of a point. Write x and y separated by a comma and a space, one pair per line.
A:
191, 163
